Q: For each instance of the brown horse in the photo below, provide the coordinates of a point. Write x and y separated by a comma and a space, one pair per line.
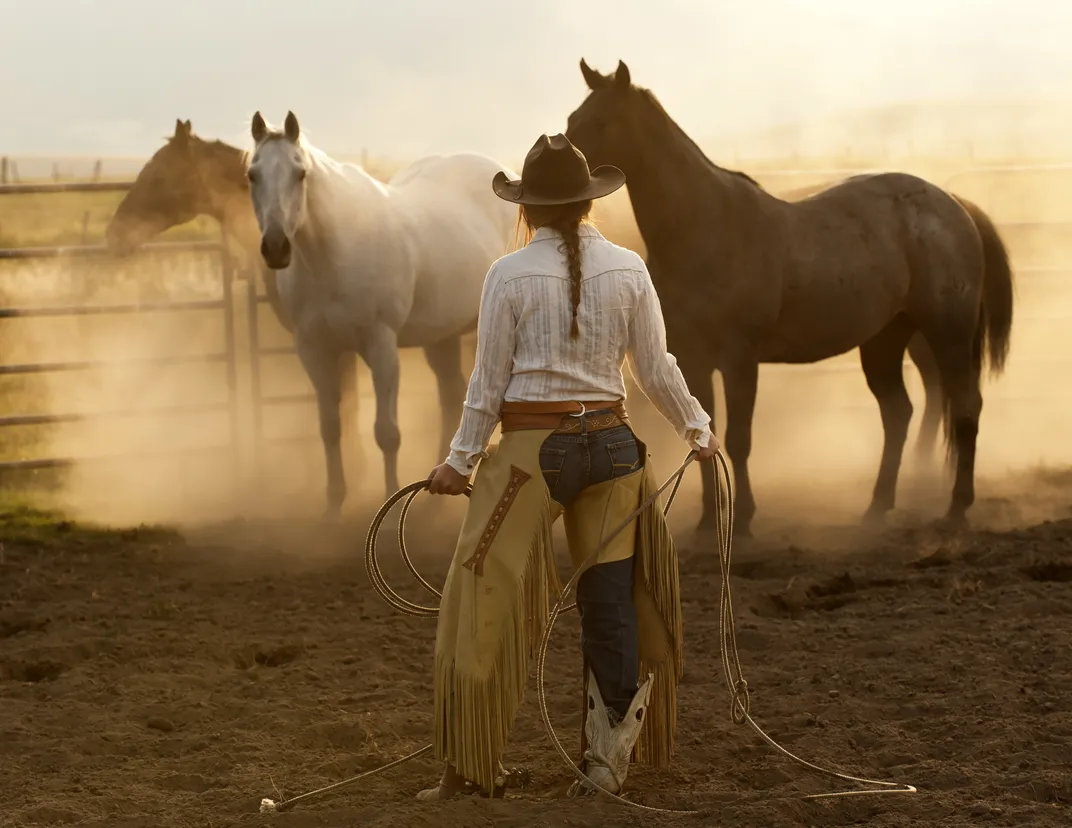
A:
190, 177
746, 278
918, 350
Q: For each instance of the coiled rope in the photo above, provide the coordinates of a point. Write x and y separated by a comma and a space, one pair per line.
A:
731, 663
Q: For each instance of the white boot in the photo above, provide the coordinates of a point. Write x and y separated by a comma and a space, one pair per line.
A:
610, 746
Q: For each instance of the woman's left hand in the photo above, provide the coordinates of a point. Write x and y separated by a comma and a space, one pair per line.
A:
445, 480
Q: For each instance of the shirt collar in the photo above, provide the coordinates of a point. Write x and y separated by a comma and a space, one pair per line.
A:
585, 231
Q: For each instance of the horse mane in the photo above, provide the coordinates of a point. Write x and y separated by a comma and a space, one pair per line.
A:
236, 173
692, 149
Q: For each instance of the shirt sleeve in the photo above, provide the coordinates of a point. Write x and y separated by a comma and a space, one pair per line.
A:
655, 369
495, 336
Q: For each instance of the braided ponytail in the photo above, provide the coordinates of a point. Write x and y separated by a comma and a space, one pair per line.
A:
566, 219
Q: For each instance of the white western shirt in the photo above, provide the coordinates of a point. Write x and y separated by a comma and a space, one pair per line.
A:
524, 351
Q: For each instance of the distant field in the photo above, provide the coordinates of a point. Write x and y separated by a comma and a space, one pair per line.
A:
46, 219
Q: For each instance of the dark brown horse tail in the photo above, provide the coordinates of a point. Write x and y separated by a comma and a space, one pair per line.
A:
995, 323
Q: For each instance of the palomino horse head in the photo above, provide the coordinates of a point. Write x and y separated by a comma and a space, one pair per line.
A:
277, 172
168, 191
606, 127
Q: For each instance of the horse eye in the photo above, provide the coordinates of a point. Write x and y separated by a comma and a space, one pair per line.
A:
251, 175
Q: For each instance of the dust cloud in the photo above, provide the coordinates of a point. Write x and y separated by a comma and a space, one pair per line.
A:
817, 431
149, 450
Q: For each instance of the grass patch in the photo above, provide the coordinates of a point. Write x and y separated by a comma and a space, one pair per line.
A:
23, 522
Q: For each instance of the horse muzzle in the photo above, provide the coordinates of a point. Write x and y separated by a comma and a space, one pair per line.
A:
122, 240
275, 249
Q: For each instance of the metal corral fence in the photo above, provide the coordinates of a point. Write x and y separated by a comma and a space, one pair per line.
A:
257, 350
227, 357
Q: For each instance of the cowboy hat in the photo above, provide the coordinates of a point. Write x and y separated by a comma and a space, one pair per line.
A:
556, 172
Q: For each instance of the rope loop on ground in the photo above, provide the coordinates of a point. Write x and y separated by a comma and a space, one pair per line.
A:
740, 700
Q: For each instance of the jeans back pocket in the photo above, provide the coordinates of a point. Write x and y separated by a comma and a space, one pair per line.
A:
552, 460
624, 457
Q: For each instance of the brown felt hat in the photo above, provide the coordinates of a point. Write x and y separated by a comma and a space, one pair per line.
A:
556, 172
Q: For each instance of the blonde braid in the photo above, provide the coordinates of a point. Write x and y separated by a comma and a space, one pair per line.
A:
572, 239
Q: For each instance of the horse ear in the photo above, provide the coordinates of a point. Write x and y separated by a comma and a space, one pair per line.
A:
189, 128
593, 78
182, 129
622, 78
259, 128
291, 128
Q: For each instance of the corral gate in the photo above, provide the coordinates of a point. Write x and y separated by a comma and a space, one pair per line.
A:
227, 357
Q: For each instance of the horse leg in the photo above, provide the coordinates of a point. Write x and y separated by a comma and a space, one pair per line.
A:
882, 358
380, 353
445, 360
698, 379
351, 434
740, 377
322, 367
923, 357
960, 364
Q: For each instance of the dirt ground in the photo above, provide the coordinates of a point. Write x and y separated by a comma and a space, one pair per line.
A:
149, 678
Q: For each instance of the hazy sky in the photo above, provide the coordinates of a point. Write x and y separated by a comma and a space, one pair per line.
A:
404, 77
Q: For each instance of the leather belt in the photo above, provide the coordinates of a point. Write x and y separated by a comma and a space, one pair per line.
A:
563, 416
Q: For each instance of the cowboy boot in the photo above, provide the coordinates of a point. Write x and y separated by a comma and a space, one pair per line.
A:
610, 739
453, 784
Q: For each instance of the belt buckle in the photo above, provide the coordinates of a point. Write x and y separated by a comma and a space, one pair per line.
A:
580, 413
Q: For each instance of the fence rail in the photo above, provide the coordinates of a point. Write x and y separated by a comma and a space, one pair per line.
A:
227, 357
83, 251
66, 187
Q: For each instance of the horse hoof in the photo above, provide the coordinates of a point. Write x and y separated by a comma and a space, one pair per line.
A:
742, 533
875, 516
706, 527
952, 523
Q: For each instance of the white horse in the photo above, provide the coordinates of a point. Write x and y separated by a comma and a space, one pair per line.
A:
370, 268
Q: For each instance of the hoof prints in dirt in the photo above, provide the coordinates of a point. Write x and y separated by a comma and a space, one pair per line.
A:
1049, 571
31, 671
800, 597
271, 657
869, 665
13, 625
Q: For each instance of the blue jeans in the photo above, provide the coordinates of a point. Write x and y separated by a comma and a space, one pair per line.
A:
570, 463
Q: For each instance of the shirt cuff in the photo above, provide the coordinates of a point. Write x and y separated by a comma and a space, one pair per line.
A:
464, 462
698, 438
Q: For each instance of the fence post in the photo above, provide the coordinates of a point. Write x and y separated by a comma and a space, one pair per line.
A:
253, 323
3, 170
227, 275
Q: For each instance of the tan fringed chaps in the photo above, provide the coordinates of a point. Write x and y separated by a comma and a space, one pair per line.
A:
499, 591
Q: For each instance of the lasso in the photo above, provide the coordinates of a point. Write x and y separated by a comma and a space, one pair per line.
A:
731, 664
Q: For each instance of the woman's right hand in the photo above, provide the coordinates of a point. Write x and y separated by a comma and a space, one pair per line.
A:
709, 451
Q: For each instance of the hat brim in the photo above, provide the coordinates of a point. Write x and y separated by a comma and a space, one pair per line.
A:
602, 181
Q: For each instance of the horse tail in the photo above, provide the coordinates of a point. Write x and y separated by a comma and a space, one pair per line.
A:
995, 317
